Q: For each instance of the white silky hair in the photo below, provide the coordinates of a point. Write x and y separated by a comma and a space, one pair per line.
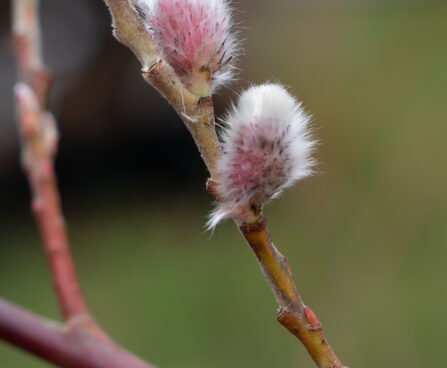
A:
258, 107
145, 7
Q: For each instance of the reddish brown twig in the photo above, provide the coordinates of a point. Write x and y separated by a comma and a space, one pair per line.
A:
60, 345
80, 342
39, 141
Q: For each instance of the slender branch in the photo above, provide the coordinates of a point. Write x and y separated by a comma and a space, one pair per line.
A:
300, 320
80, 342
198, 116
26, 39
39, 144
46, 208
60, 345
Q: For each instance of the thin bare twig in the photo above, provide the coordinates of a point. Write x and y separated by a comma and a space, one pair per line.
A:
79, 342
39, 143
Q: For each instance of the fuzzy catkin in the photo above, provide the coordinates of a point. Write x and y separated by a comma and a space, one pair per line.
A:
195, 37
267, 147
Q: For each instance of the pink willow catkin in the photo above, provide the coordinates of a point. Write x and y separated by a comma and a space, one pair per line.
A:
267, 148
267, 145
195, 38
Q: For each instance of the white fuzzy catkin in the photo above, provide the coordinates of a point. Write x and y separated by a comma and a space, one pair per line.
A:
195, 38
267, 147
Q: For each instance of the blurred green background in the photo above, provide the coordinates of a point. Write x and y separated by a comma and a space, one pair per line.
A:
366, 237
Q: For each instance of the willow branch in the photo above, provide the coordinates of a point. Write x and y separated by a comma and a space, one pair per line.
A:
39, 144
80, 342
58, 344
198, 116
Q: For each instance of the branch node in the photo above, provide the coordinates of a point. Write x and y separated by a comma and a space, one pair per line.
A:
153, 70
253, 228
206, 102
211, 187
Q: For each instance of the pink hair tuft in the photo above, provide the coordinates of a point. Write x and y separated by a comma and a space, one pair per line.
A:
195, 38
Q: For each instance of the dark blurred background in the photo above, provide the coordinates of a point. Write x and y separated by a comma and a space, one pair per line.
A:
366, 237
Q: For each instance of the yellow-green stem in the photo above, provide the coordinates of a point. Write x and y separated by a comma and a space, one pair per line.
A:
293, 314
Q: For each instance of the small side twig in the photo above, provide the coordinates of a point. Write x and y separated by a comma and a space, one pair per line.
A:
80, 341
39, 144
